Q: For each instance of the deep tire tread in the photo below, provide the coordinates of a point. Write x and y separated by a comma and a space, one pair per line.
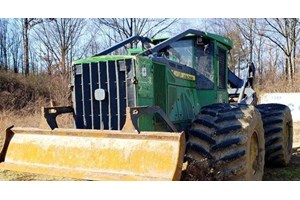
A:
226, 118
233, 156
205, 123
199, 149
271, 122
227, 130
273, 149
226, 144
218, 135
275, 117
202, 135
208, 112
273, 131
272, 141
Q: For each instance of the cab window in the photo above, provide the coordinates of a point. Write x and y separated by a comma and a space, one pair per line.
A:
204, 52
222, 68
180, 51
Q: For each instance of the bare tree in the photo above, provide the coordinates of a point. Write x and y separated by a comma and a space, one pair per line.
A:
225, 27
16, 44
59, 37
91, 43
3, 44
259, 49
123, 28
28, 23
285, 34
254, 42
246, 28
46, 59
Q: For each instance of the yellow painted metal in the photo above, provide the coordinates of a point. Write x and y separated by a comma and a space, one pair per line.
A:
94, 154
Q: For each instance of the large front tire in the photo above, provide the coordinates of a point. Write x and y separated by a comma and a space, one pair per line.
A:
225, 142
278, 126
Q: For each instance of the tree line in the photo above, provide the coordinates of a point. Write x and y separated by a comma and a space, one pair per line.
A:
35, 45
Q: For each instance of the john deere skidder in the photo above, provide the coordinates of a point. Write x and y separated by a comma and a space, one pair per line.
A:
170, 110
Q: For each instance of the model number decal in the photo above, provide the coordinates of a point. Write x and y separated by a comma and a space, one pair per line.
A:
184, 75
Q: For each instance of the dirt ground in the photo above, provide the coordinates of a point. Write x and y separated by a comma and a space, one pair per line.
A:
289, 173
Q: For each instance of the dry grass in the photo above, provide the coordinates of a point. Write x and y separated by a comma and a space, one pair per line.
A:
21, 99
274, 83
18, 92
15, 89
9, 118
22, 176
24, 119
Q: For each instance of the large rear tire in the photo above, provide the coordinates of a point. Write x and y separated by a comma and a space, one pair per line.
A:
278, 126
225, 142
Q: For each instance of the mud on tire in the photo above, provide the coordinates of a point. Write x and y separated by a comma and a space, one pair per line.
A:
225, 142
278, 126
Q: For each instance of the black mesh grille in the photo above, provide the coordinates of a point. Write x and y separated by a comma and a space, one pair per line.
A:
112, 77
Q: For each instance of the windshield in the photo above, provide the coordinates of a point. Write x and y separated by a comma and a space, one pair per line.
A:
181, 52
197, 55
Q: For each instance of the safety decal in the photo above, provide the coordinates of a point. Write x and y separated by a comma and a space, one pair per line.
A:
184, 75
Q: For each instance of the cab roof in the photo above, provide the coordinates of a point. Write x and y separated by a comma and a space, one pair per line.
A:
223, 40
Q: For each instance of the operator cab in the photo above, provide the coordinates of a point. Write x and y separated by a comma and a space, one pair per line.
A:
189, 51
195, 52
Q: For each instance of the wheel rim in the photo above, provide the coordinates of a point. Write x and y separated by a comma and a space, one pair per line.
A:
254, 164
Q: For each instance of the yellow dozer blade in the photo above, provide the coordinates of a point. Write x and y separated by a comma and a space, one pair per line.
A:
94, 154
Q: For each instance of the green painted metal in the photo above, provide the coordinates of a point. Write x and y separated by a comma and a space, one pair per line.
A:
145, 91
174, 91
134, 51
97, 59
220, 39
178, 97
